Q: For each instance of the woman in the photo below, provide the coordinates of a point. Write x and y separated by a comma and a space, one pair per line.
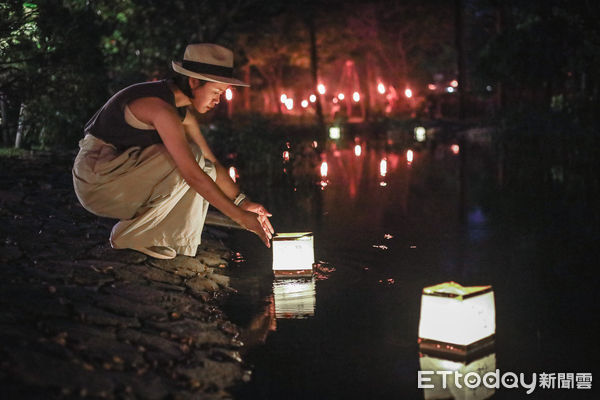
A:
144, 161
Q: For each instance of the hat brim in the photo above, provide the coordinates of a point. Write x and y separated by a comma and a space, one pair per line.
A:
211, 78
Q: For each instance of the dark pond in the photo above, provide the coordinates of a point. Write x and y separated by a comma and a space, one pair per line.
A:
352, 330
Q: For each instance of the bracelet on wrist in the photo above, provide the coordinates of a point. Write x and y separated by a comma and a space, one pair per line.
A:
239, 199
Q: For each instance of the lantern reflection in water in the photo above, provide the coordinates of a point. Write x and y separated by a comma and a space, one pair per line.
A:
456, 319
293, 253
452, 370
294, 298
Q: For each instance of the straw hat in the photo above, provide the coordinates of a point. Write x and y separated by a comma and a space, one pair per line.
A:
209, 62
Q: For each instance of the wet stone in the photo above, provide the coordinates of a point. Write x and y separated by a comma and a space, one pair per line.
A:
210, 258
164, 346
135, 273
200, 285
124, 256
181, 265
96, 316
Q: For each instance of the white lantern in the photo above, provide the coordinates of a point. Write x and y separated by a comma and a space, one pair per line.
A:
293, 253
434, 370
294, 298
456, 318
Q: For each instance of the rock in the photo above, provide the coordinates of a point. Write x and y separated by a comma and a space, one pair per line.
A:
210, 258
124, 256
199, 284
184, 266
135, 272
96, 316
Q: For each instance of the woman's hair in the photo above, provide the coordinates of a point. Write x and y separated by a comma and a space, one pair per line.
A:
183, 83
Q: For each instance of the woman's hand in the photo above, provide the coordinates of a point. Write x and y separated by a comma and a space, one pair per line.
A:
252, 222
263, 215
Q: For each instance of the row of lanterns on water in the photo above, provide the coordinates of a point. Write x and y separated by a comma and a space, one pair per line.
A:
457, 324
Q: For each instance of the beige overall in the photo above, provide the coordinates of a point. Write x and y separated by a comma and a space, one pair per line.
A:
142, 188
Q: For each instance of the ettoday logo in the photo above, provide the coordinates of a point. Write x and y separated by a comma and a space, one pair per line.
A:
508, 380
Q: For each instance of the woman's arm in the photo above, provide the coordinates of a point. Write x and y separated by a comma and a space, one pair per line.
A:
192, 129
165, 120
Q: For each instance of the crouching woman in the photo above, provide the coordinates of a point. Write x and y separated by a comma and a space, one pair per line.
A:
144, 161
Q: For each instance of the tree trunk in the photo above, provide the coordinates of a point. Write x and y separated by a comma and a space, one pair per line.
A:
314, 71
460, 57
4, 123
19, 136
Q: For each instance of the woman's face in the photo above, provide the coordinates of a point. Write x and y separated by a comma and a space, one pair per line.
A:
207, 96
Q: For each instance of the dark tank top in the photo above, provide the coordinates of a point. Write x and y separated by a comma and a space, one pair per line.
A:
109, 122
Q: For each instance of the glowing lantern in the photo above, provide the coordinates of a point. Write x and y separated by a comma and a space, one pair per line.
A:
312, 98
289, 103
420, 134
409, 156
228, 94
357, 150
293, 253
454, 83
383, 167
431, 86
356, 97
341, 96
321, 88
381, 88
286, 156
294, 298
455, 148
283, 98
456, 318
450, 89
304, 103
408, 93
324, 169
468, 372
233, 173
335, 132
315, 144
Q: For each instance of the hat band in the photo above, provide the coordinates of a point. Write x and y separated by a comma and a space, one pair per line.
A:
202, 68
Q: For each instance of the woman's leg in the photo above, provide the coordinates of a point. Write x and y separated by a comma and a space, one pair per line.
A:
155, 204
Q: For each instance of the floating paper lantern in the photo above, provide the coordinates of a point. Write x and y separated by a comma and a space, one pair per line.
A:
439, 377
455, 318
294, 298
293, 253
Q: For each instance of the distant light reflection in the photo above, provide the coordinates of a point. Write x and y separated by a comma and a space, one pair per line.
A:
324, 169
357, 150
383, 167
